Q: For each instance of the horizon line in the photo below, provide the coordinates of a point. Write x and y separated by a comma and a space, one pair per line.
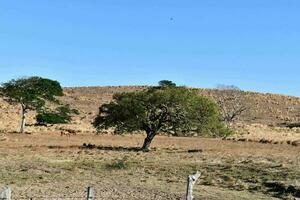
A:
205, 88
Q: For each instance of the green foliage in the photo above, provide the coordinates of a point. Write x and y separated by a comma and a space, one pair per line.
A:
51, 118
67, 110
172, 110
32, 92
166, 83
220, 130
62, 115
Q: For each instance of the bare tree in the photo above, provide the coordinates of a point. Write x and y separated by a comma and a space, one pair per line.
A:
228, 87
232, 103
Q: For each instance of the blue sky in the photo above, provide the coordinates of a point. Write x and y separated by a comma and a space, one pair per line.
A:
253, 44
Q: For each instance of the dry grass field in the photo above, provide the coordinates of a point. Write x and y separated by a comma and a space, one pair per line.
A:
44, 165
262, 161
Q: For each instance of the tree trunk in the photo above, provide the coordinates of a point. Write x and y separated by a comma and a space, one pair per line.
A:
23, 122
147, 141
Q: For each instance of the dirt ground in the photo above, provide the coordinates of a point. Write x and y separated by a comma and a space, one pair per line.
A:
50, 166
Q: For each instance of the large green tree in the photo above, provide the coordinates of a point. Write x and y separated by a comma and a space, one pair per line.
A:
173, 110
30, 93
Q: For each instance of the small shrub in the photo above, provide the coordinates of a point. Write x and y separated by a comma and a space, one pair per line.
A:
122, 163
51, 118
62, 115
223, 131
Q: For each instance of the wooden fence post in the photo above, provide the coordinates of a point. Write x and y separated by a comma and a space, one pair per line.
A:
5, 193
90, 193
190, 184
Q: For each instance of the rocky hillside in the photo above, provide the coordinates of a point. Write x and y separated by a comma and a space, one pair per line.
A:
264, 109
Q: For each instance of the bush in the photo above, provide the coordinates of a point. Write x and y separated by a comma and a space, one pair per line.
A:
222, 130
121, 163
52, 118
62, 115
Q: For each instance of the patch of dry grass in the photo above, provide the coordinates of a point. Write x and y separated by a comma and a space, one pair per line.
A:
49, 164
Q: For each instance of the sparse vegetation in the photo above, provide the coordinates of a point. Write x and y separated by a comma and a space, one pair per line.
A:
119, 163
261, 164
36, 164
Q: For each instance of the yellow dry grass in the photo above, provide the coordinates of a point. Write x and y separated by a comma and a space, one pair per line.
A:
47, 164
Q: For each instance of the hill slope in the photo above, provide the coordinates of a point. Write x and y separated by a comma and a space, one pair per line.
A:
268, 109
265, 109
